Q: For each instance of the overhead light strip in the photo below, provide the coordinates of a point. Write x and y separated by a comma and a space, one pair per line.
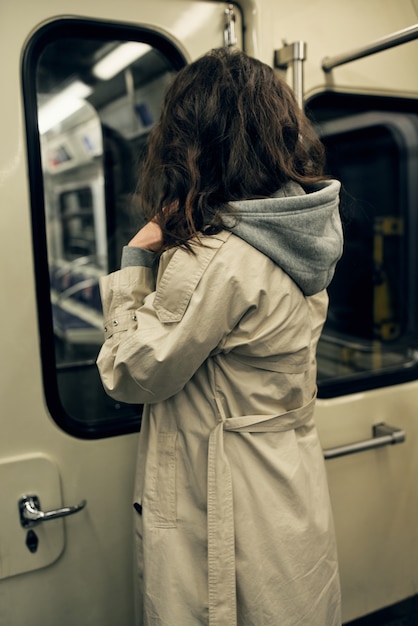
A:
119, 59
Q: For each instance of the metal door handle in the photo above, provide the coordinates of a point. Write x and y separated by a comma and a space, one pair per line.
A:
383, 435
31, 513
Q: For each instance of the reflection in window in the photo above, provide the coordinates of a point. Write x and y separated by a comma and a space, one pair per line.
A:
97, 101
77, 219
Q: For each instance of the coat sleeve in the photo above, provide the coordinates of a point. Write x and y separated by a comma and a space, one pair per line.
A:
157, 337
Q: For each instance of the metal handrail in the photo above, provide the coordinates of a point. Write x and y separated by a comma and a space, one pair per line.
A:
389, 41
383, 435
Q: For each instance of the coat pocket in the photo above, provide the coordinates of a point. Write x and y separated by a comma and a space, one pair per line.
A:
164, 507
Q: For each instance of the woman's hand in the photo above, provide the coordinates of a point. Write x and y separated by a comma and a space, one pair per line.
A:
150, 237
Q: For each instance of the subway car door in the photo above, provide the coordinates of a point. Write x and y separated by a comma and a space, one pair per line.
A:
80, 96
367, 355
362, 98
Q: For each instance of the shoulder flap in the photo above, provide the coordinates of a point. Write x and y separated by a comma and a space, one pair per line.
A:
182, 275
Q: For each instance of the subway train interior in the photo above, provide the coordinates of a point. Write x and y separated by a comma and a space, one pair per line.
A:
82, 85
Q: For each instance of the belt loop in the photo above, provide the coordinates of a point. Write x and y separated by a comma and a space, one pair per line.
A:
221, 412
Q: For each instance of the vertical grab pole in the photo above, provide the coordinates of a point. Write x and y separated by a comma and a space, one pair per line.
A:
293, 54
230, 38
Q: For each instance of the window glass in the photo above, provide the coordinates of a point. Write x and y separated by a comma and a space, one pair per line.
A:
98, 92
371, 335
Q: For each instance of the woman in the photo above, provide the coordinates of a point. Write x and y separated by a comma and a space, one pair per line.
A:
213, 323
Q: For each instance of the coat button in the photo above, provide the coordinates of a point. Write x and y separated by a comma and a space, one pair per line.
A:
115, 322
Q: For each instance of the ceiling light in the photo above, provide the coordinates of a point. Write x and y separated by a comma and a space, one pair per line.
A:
119, 59
62, 105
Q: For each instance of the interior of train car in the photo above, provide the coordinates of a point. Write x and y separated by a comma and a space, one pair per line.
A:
90, 161
92, 88
91, 149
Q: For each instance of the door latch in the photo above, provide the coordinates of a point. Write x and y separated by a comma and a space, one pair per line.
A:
31, 514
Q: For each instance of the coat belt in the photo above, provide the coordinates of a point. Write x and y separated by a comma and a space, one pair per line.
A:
221, 531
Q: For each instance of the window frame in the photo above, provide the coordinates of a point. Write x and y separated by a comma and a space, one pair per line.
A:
332, 105
47, 34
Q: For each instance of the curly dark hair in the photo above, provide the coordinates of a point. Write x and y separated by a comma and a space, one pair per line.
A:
230, 129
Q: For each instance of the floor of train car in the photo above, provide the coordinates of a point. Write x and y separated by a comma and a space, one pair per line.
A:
403, 614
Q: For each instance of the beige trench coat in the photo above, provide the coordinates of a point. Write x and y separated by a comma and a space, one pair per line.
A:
236, 526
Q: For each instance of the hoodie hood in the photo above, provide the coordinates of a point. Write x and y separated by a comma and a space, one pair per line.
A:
300, 232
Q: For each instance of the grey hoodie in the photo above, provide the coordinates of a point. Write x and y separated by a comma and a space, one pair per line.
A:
301, 232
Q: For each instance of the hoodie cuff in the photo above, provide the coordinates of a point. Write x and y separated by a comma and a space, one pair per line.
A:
132, 256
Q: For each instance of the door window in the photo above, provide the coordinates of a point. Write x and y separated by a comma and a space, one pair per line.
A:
92, 93
371, 335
